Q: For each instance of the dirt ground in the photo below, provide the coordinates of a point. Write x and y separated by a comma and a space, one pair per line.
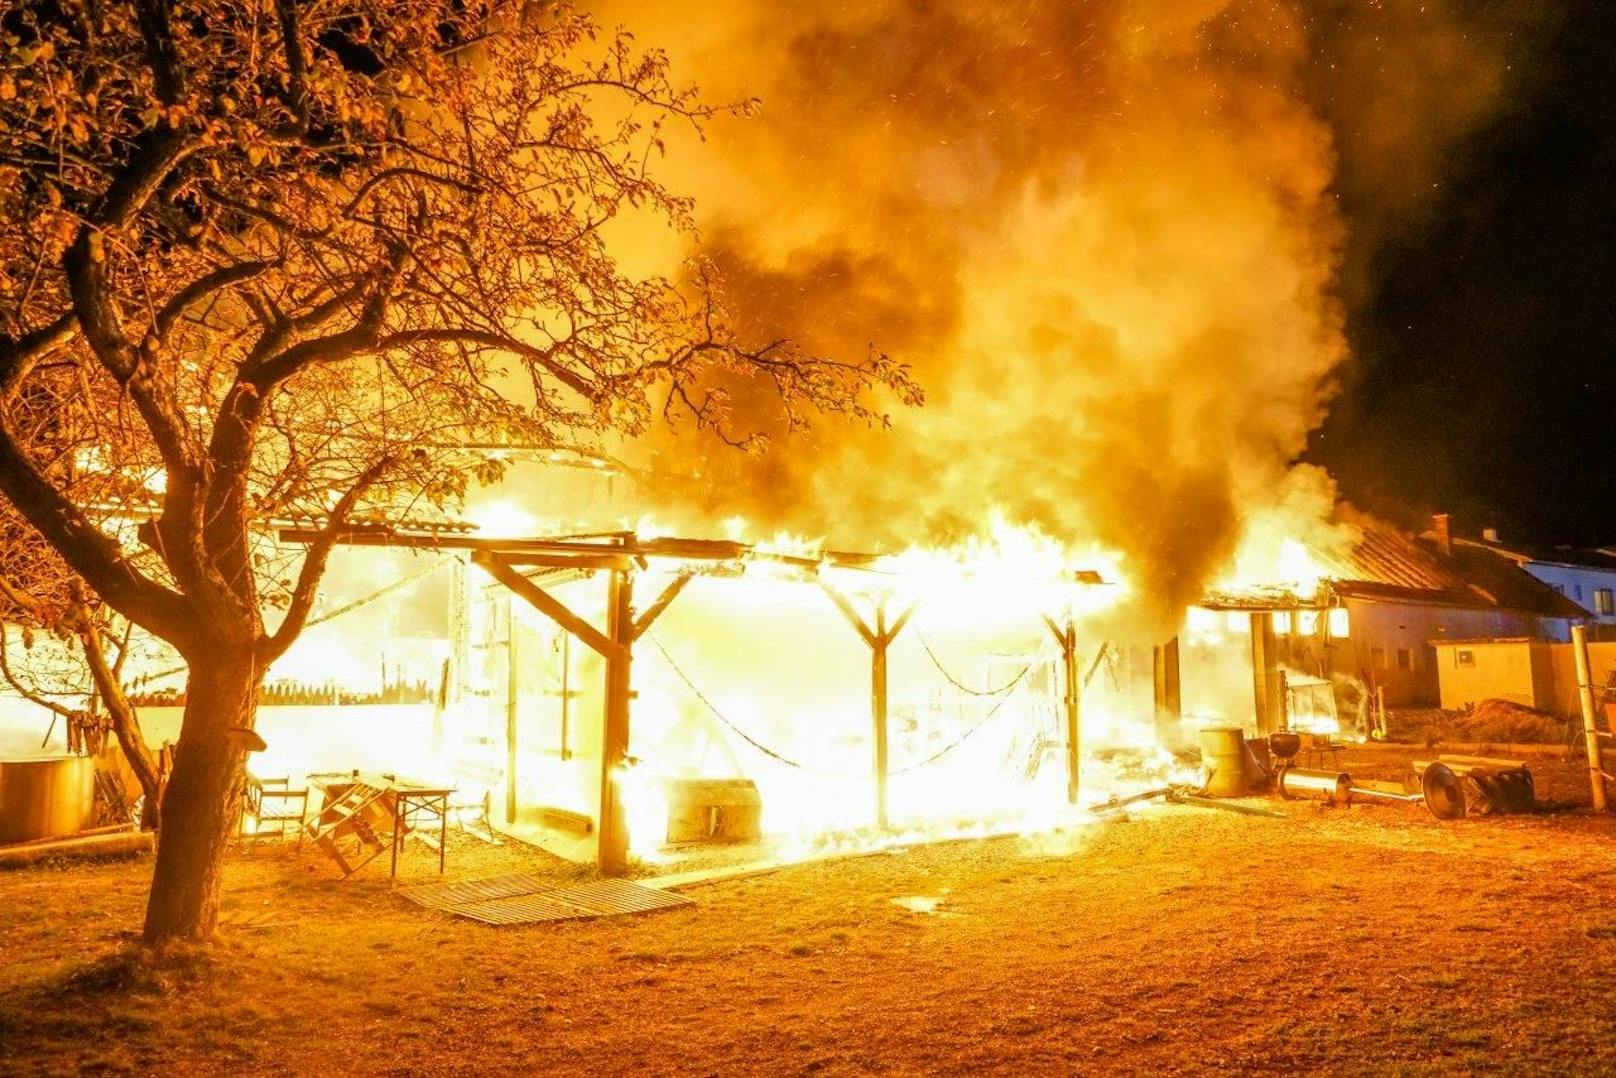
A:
1169, 939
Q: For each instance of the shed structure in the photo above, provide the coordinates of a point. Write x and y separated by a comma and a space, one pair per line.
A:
532, 568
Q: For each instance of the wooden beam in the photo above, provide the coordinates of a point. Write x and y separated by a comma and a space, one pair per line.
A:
654, 611
547, 604
568, 561
897, 627
848, 611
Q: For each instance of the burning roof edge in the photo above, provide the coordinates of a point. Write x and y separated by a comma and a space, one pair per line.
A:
603, 550
1390, 565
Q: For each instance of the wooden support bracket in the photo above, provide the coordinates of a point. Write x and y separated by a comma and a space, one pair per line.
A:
549, 605
654, 611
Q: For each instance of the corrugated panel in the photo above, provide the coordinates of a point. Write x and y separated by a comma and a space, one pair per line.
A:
442, 896
598, 898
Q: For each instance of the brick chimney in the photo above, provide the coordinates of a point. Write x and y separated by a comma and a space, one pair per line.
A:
1442, 533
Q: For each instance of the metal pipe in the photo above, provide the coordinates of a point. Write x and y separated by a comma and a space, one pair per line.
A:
1331, 786
1369, 793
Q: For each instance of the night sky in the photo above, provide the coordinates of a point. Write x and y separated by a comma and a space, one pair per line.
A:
1484, 377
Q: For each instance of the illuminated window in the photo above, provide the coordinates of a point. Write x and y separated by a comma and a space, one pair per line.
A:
1604, 601
1338, 623
1307, 622
1282, 622
1464, 657
1238, 621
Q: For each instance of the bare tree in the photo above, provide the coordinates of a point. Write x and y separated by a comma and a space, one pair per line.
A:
80, 679
257, 258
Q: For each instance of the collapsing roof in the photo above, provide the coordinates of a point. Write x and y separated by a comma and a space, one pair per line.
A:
1387, 564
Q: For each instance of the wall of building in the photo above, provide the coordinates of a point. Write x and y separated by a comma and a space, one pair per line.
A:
1564, 698
394, 738
1579, 584
1472, 671
1391, 643
1533, 673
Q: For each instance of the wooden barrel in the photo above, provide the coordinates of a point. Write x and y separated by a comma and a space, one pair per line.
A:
45, 797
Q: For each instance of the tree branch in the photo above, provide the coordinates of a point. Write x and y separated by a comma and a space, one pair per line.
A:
19, 355
314, 562
88, 550
205, 286
23, 690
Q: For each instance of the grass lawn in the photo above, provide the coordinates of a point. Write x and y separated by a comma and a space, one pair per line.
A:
1364, 939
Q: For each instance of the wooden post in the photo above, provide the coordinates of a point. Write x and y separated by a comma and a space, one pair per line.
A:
1167, 689
512, 694
1265, 675
1590, 726
613, 848
878, 710
879, 638
615, 646
1074, 714
1066, 636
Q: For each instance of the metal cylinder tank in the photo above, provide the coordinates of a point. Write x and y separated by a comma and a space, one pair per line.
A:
1333, 786
45, 797
1223, 759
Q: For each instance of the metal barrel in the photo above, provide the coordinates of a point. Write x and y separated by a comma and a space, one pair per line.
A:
1332, 786
1223, 760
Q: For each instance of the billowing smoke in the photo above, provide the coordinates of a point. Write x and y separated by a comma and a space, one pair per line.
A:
1104, 233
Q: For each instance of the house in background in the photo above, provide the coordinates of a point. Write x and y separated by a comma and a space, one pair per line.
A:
1405, 594
1384, 606
1586, 577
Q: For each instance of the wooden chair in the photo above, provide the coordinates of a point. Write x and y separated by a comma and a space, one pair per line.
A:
275, 803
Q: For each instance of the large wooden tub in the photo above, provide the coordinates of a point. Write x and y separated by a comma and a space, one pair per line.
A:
45, 797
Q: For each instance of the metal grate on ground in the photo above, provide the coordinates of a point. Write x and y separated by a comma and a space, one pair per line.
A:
444, 896
598, 898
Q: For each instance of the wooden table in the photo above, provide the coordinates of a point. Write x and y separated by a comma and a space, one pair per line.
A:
420, 799
405, 800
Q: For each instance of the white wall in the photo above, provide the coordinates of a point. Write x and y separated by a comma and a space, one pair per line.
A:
1576, 583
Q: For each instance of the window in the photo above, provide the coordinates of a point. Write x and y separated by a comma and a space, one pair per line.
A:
1464, 657
1377, 658
1405, 659
1338, 622
1604, 601
1577, 589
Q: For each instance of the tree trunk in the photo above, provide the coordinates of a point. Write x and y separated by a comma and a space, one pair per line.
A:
203, 796
125, 724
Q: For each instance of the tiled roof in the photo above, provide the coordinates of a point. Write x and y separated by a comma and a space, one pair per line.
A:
1554, 555
1388, 563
